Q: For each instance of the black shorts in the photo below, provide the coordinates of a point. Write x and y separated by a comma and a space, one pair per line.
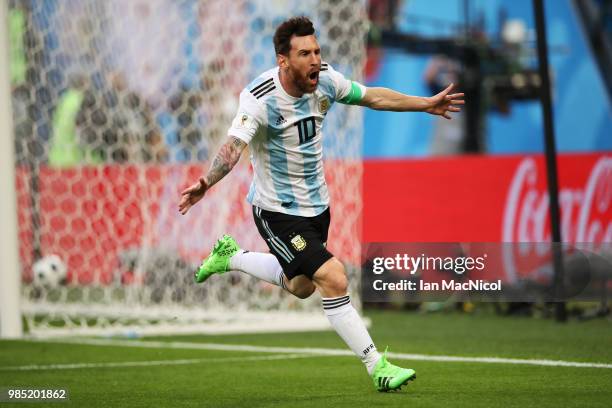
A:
297, 242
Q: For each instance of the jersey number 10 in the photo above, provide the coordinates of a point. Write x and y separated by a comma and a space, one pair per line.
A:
306, 129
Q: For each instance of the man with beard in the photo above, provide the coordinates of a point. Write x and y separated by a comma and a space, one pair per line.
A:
280, 116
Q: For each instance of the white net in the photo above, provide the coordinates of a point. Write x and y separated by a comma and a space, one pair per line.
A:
118, 105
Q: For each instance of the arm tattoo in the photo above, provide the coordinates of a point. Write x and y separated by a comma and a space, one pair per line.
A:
225, 160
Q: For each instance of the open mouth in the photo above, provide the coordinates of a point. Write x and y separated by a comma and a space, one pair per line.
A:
314, 77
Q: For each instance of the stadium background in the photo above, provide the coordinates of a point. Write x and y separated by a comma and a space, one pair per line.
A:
411, 193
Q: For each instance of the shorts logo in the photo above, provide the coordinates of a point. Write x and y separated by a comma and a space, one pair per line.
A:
298, 243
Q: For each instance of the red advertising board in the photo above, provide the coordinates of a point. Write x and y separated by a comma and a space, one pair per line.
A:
480, 201
486, 199
91, 215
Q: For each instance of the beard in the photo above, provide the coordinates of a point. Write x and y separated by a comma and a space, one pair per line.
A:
302, 81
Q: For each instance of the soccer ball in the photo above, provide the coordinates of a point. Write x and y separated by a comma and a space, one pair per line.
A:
50, 271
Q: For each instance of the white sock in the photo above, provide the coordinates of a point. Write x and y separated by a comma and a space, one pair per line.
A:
348, 324
260, 265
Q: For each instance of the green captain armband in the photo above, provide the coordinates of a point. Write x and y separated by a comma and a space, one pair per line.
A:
355, 94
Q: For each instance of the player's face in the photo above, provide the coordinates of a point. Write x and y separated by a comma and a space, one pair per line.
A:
304, 63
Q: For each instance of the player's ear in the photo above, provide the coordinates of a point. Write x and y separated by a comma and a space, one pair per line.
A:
282, 61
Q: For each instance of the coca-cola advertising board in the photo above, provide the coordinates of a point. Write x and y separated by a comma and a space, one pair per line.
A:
491, 208
486, 199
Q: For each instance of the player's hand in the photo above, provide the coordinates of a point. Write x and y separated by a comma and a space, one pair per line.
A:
445, 102
192, 195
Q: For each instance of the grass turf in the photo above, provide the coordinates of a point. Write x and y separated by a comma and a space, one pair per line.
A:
337, 381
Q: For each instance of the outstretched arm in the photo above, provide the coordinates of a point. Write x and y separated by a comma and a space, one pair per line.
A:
223, 163
389, 100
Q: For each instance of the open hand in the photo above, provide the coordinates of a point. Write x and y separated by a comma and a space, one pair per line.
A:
444, 102
191, 195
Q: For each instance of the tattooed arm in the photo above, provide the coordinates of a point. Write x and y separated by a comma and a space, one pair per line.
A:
223, 163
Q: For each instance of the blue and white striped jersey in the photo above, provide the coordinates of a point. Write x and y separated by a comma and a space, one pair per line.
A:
284, 134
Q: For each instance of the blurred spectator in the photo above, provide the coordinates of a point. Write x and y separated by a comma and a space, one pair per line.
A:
136, 137
17, 21
382, 13
28, 147
448, 134
64, 147
92, 125
219, 100
607, 16
185, 109
116, 125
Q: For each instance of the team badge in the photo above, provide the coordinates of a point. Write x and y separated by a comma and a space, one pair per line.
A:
323, 104
298, 243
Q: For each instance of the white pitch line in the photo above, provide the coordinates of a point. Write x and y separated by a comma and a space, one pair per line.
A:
323, 352
36, 367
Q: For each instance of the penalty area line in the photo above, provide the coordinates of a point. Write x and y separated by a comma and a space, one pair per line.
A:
36, 367
321, 352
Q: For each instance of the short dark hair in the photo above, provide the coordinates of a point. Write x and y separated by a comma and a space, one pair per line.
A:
299, 26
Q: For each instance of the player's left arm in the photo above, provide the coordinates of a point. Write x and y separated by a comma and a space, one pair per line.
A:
386, 99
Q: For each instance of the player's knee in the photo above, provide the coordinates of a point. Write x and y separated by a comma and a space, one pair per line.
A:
304, 292
336, 281
340, 284
301, 287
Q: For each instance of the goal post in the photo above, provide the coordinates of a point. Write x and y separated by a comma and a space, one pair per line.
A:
122, 105
10, 312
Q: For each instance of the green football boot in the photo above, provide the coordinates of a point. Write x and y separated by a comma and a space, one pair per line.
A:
218, 260
389, 377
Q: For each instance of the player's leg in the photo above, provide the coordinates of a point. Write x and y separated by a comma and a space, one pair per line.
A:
278, 267
300, 246
288, 238
261, 265
331, 282
265, 266
301, 286
228, 256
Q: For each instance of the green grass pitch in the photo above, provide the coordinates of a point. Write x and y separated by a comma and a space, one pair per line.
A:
173, 377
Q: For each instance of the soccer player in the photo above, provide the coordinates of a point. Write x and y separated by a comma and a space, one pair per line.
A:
280, 117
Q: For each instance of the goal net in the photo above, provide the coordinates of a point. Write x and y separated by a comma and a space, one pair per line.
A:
118, 106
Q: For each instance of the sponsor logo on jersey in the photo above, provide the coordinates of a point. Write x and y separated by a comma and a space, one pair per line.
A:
298, 243
280, 120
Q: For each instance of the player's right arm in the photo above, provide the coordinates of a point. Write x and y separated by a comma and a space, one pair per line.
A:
223, 163
244, 127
